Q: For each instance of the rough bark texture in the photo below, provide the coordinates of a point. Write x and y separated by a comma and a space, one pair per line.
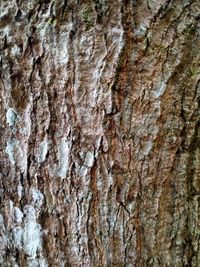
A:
99, 124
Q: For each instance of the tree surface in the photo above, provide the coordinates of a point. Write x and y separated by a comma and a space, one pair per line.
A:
100, 127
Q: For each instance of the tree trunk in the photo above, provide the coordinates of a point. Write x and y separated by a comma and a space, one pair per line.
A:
99, 123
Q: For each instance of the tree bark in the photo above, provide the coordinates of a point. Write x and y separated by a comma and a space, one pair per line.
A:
99, 123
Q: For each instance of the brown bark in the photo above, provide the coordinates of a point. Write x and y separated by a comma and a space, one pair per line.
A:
99, 122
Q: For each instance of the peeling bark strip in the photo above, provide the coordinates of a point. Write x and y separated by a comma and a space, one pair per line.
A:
99, 124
